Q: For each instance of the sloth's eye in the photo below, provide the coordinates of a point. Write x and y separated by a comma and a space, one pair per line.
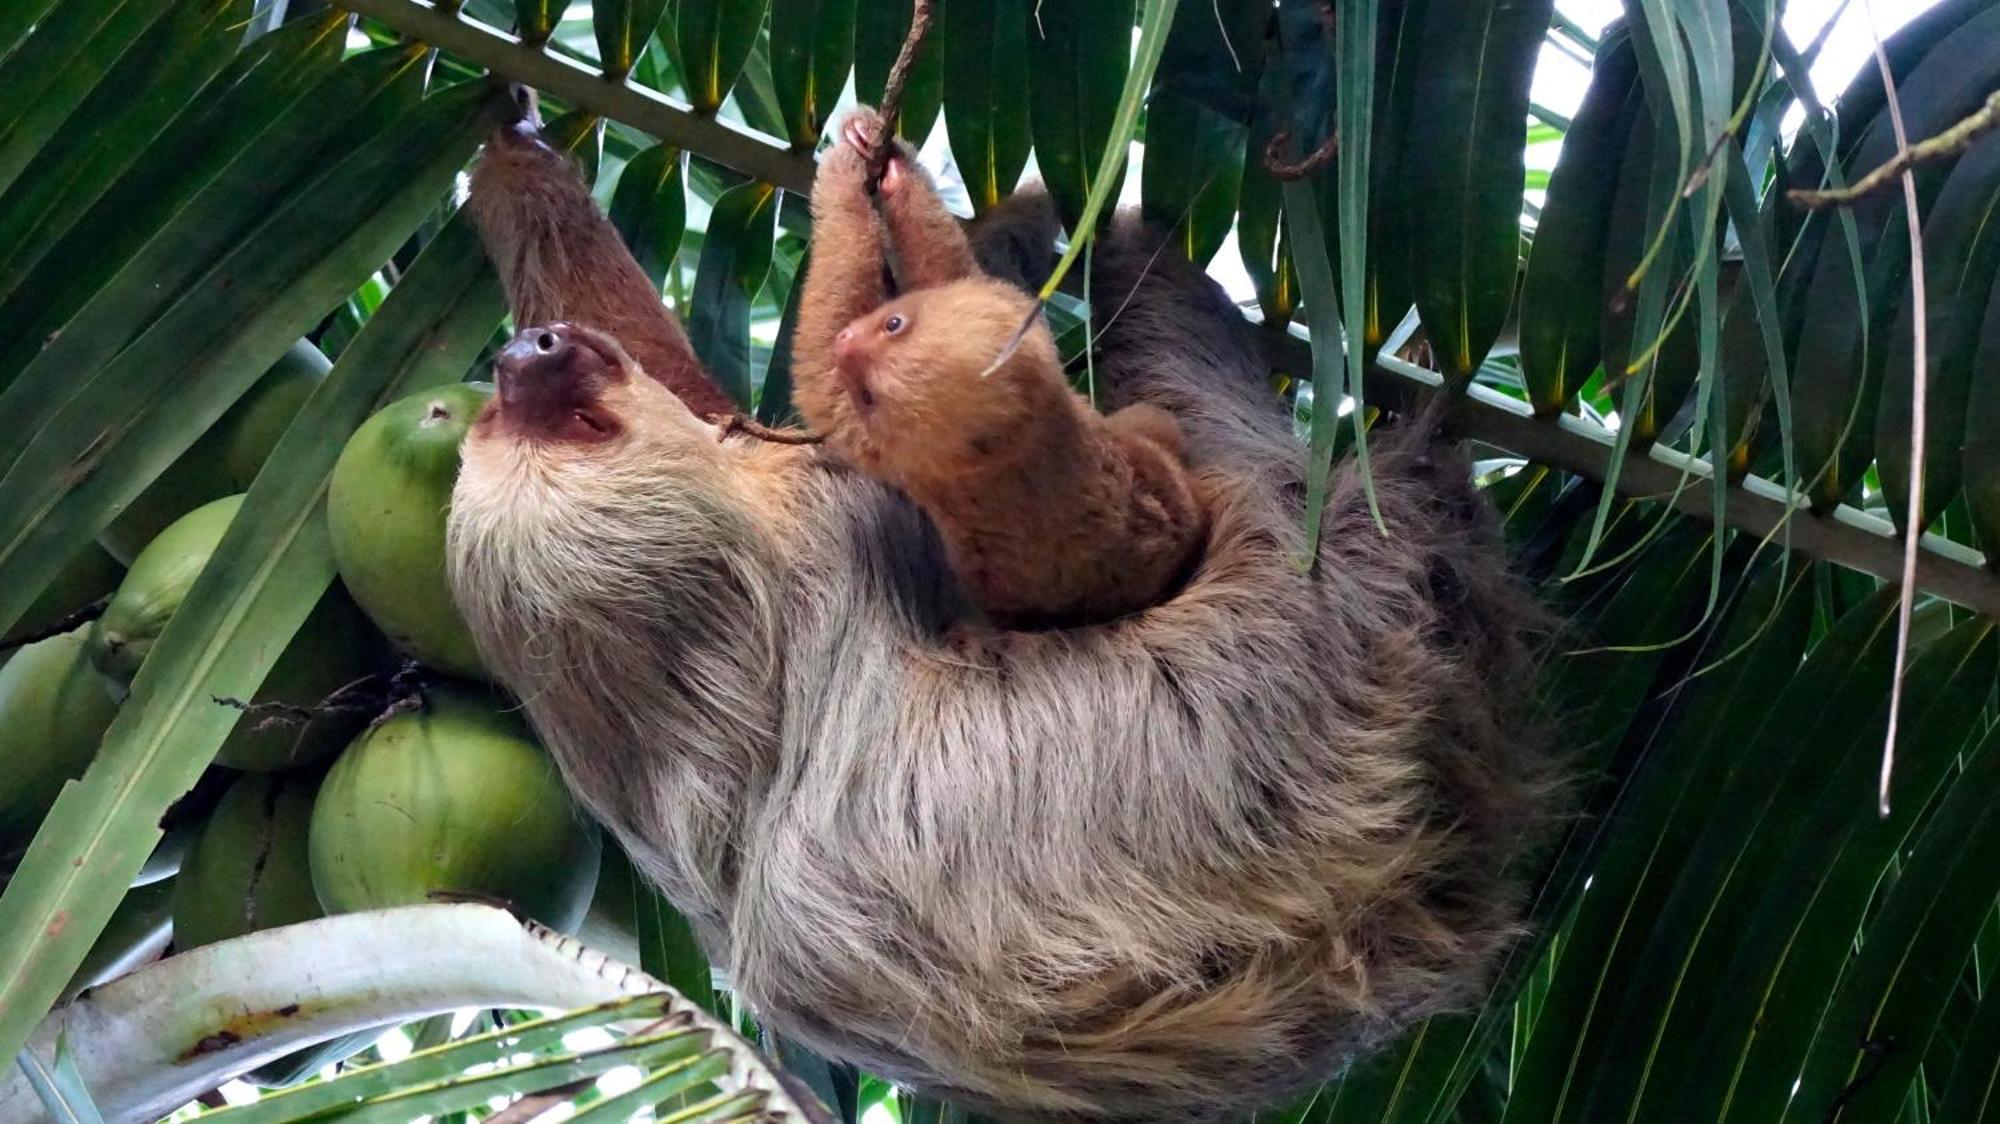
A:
894, 324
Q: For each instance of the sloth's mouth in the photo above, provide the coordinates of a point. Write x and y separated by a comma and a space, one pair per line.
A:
856, 383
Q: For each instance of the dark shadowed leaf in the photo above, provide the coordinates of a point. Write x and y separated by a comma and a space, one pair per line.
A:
735, 256
985, 48
1197, 121
581, 135
714, 39
1912, 954
1840, 359
1561, 294
1258, 229
624, 27
130, 107
1752, 344
1655, 820
1973, 1090
812, 47
1823, 865
649, 208
1961, 249
1399, 41
78, 328
55, 70
1077, 56
774, 398
1831, 705
206, 139
534, 20
1630, 321
1464, 165
1982, 430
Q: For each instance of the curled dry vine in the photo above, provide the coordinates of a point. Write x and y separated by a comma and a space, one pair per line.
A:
1274, 152
381, 695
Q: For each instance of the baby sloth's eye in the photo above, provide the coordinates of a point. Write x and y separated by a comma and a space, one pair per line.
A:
894, 324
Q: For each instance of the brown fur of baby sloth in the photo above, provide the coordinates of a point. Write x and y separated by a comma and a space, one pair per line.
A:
1178, 866
1050, 512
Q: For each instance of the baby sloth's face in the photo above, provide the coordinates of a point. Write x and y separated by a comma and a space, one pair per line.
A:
924, 378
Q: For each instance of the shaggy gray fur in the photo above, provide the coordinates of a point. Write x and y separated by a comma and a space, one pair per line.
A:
1173, 867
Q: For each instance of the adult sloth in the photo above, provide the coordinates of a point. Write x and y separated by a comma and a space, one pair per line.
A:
1173, 866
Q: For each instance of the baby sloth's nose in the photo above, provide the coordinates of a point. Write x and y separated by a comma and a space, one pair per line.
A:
847, 347
850, 361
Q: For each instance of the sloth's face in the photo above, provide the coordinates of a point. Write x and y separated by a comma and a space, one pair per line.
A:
585, 489
569, 398
571, 385
575, 438
555, 382
927, 380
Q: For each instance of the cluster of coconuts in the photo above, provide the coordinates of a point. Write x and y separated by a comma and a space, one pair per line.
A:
326, 796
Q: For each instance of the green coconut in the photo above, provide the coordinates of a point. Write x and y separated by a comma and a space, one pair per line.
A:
226, 458
386, 507
248, 870
334, 649
88, 576
454, 799
53, 714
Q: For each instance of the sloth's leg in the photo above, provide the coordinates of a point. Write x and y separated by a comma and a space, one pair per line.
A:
561, 259
844, 280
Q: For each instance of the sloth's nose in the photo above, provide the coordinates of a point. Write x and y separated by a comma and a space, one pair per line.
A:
847, 346
547, 360
549, 347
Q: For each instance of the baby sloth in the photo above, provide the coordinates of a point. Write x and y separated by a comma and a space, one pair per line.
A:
1050, 512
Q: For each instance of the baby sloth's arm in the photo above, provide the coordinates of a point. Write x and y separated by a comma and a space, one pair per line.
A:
931, 248
844, 279
1051, 512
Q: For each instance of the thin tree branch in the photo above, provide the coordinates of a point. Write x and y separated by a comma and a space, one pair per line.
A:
1280, 168
726, 425
1950, 142
892, 91
82, 616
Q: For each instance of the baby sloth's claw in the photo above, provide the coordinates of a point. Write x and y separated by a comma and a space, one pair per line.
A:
860, 127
